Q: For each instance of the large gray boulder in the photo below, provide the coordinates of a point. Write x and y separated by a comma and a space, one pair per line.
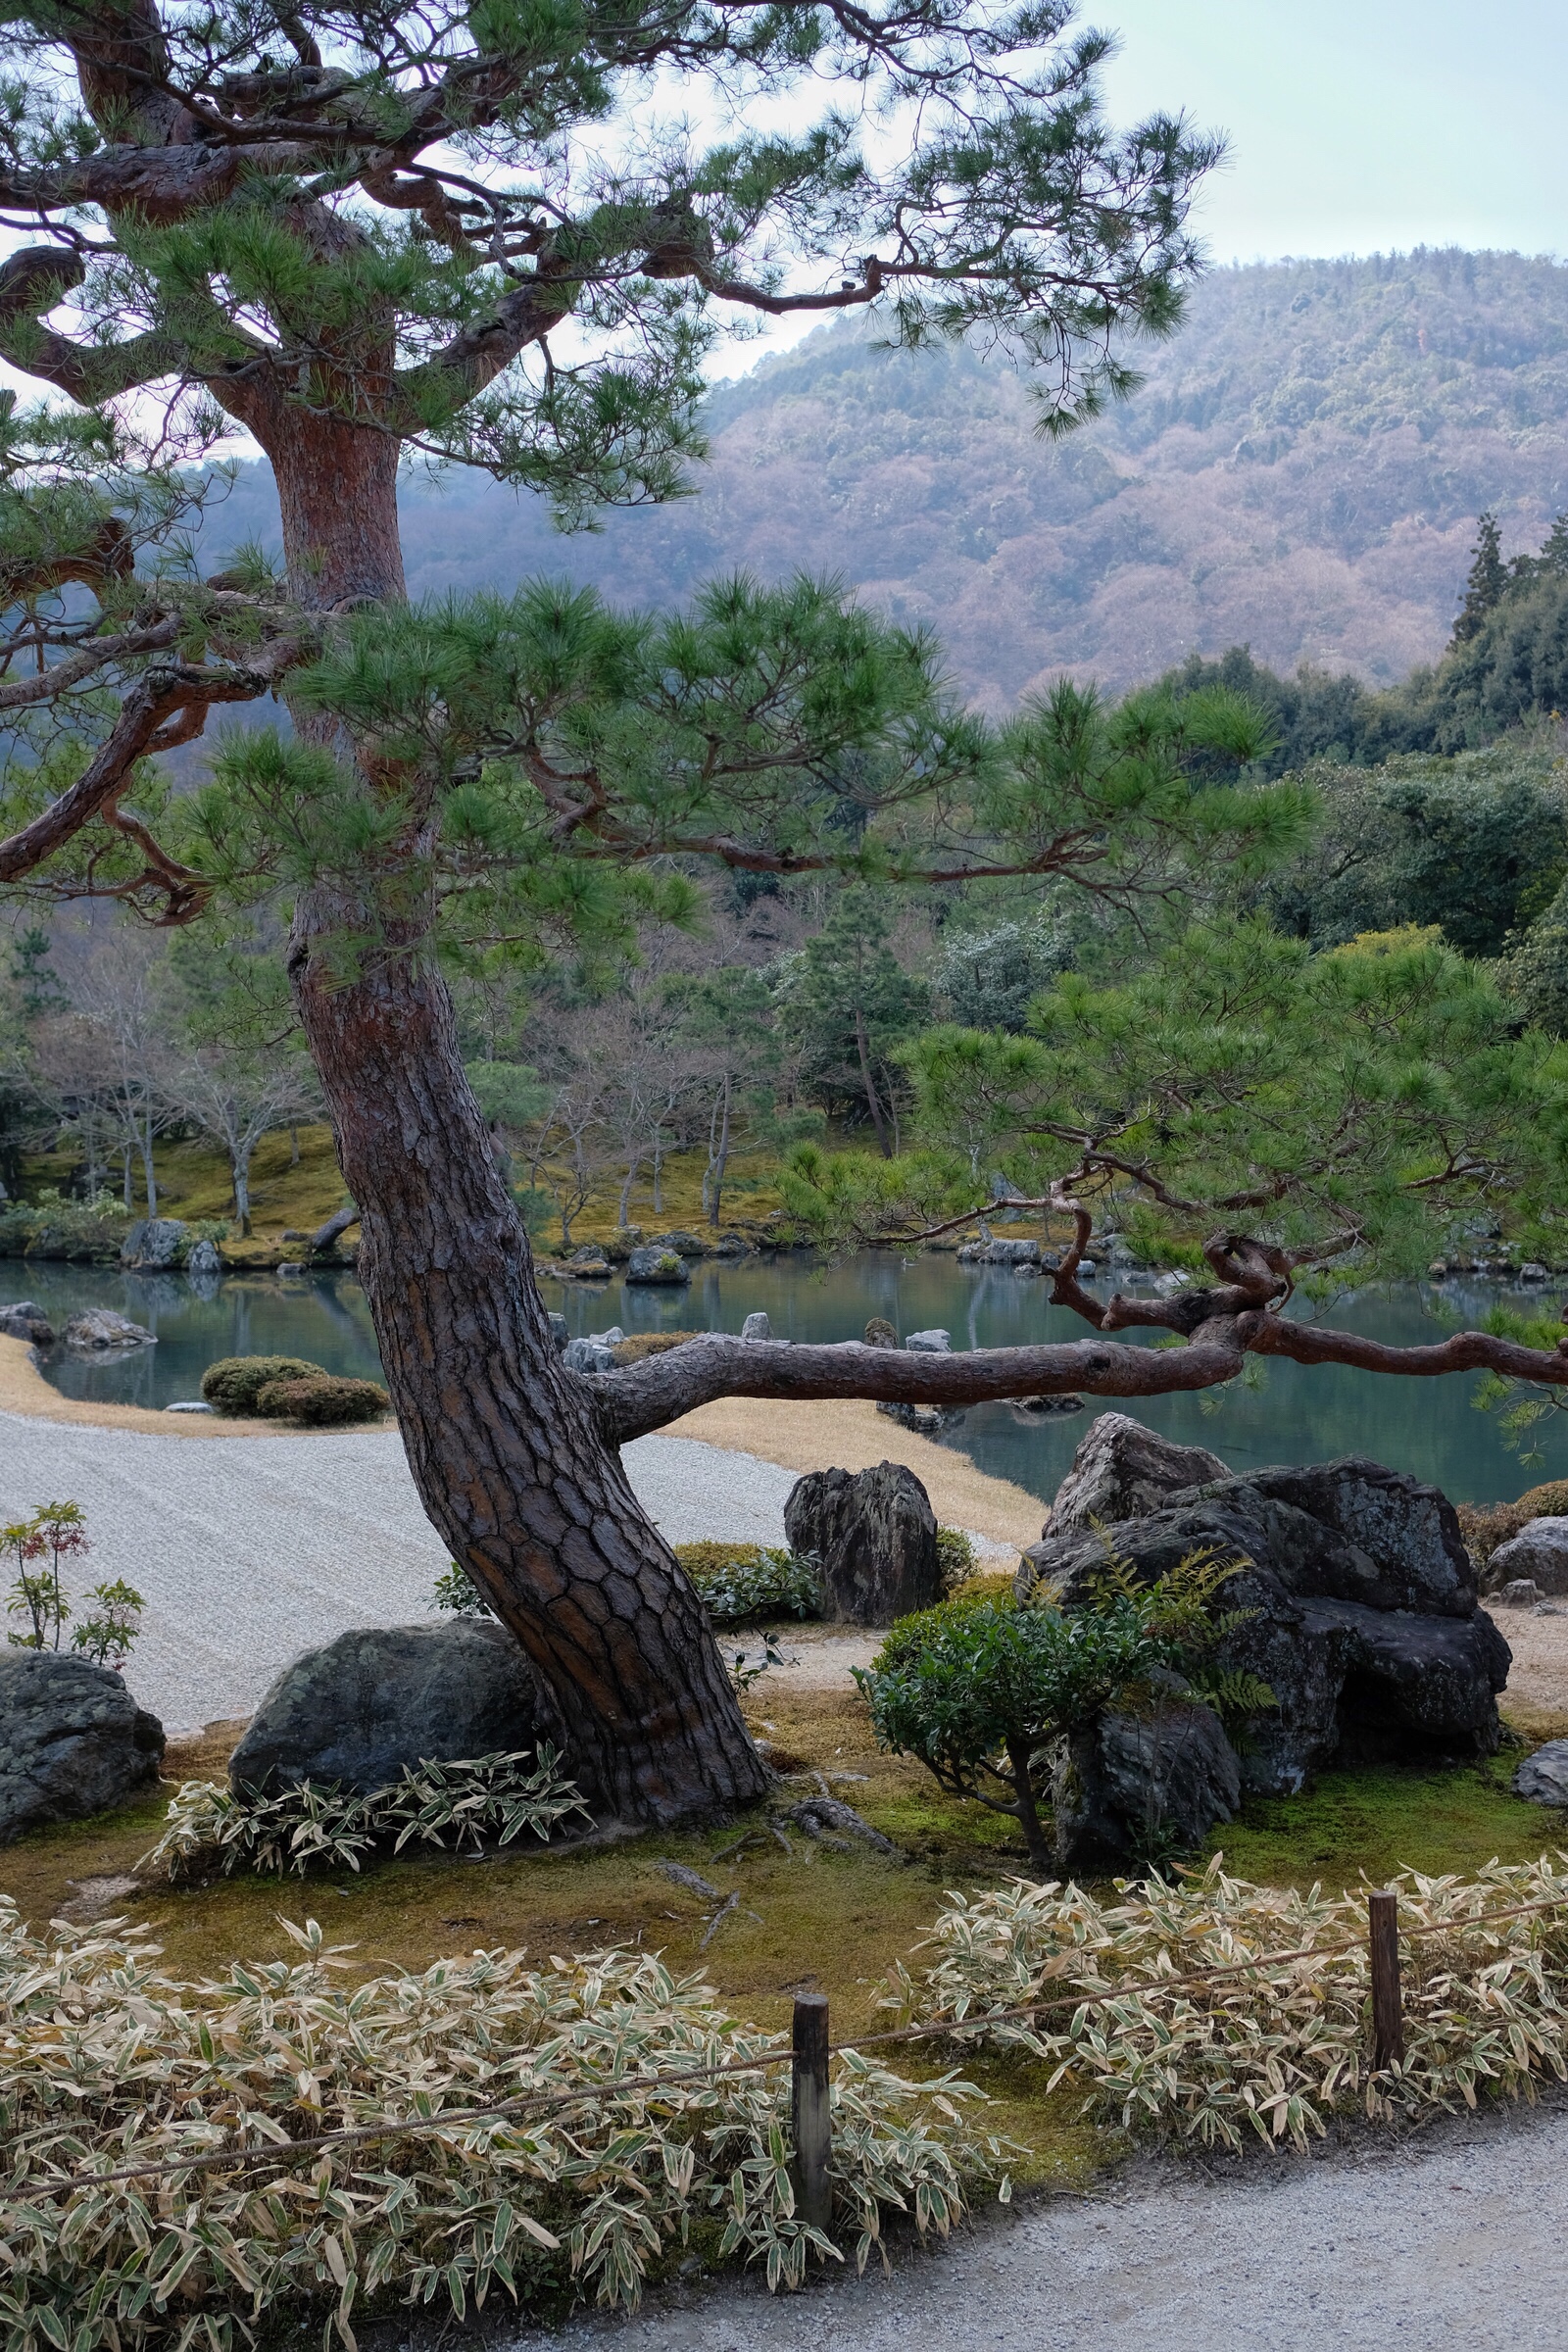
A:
203, 1260
98, 1328
155, 1241
875, 1535
1359, 1604
1537, 1554
1544, 1777
73, 1741
1121, 1469
371, 1701
25, 1319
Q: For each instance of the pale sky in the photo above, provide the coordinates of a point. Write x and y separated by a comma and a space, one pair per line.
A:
1360, 125
1355, 127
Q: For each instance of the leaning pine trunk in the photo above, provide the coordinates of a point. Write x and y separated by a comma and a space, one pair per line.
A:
510, 1461
507, 1455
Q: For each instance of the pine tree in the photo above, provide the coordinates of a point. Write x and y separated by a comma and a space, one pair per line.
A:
1487, 583
491, 237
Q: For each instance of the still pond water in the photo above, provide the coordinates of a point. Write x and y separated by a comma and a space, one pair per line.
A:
1295, 1414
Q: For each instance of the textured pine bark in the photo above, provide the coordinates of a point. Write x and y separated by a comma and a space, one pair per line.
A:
507, 1448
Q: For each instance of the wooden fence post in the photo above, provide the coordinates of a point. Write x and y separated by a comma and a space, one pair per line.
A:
811, 2116
1387, 2009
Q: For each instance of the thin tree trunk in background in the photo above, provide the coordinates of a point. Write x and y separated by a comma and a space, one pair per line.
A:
293, 1147
240, 1168
719, 1161
507, 1453
149, 1172
869, 1084
626, 1190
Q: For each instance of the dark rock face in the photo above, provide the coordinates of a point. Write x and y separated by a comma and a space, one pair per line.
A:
1121, 1469
73, 1741
154, 1242
25, 1319
1141, 1781
875, 1534
370, 1703
1362, 1608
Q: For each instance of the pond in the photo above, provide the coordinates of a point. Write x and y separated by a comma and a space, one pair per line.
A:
1294, 1414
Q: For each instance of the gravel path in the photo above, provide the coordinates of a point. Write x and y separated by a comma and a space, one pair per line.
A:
1456, 2240
251, 1550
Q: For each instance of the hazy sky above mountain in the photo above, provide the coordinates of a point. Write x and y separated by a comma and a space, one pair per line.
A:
1355, 127
1360, 125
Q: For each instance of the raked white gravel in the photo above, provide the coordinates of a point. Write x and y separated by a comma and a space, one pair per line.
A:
248, 1550
1453, 2243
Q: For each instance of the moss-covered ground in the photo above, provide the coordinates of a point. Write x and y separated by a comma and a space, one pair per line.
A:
289, 1193
815, 1921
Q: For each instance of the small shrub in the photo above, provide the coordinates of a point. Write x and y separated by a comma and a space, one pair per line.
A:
956, 1558
456, 1593
740, 1582
107, 1637
234, 1382
322, 1402
988, 1695
56, 1530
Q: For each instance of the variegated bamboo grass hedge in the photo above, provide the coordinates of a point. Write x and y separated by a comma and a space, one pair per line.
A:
1278, 2047
106, 2064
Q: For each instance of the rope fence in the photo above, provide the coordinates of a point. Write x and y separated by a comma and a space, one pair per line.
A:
810, 2050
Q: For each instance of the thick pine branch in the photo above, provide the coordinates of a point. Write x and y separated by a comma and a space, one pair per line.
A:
644, 1397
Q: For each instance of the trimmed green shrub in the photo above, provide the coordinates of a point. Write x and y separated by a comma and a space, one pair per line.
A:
988, 1695
235, 1382
740, 1582
955, 1560
322, 1402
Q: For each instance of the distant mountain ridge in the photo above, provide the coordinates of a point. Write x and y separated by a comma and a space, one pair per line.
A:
1301, 472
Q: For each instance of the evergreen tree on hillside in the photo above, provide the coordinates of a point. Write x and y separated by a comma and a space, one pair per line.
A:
1486, 585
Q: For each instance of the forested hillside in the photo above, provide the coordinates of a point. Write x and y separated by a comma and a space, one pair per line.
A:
1301, 472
